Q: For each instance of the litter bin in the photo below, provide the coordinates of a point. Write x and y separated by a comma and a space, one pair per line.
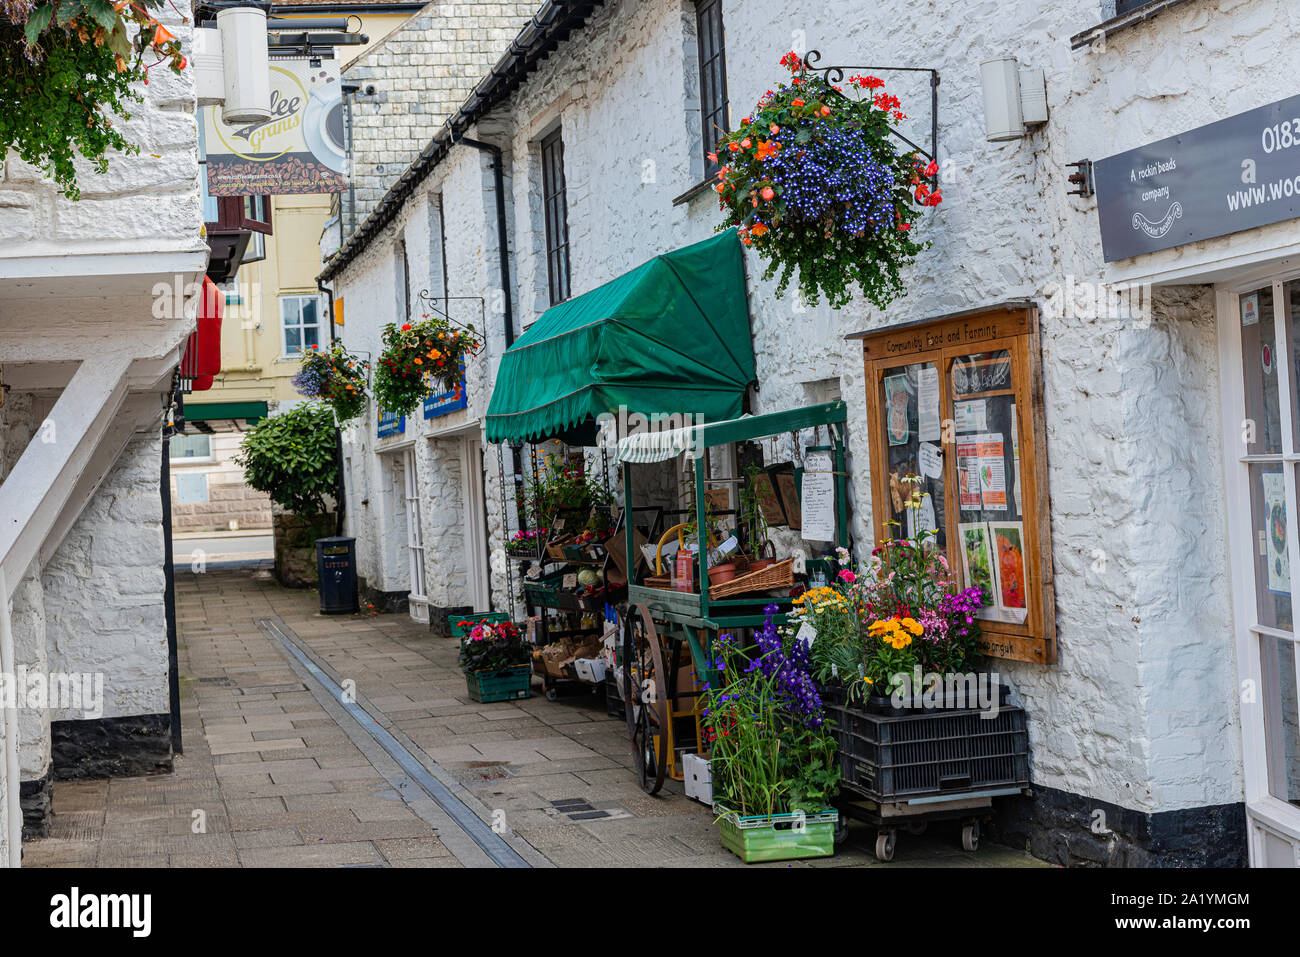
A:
336, 569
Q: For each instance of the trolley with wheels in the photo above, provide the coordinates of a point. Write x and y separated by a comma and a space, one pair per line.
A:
971, 808
664, 630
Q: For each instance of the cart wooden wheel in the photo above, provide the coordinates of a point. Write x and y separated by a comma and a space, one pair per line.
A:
645, 697
885, 845
915, 827
970, 836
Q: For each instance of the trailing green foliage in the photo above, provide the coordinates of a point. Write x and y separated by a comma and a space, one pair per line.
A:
67, 69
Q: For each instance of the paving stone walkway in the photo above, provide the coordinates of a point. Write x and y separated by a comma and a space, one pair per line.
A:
277, 772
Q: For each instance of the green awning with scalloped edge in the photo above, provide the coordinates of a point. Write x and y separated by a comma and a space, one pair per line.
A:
671, 336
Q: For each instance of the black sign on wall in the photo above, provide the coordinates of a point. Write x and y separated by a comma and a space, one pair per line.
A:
1235, 174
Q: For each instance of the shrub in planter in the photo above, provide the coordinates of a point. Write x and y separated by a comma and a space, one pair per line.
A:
336, 377
292, 457
419, 358
67, 68
813, 182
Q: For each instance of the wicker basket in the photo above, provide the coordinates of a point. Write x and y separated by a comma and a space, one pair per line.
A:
780, 575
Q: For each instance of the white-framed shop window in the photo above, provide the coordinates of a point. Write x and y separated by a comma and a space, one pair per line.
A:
1259, 339
300, 323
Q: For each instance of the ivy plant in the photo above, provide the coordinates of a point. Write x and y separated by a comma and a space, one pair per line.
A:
68, 68
292, 457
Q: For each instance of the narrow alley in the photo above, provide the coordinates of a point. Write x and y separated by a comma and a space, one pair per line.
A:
279, 772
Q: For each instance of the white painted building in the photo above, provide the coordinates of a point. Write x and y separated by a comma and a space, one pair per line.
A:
1171, 707
87, 351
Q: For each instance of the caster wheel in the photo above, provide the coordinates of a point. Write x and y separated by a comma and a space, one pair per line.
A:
550, 694
885, 845
916, 827
970, 836
841, 831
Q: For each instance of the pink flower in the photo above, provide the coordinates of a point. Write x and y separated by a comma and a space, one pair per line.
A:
847, 576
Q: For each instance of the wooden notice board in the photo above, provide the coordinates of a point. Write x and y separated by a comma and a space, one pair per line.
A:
957, 403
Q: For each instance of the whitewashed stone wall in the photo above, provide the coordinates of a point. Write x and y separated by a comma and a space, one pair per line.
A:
104, 589
420, 74
1140, 710
144, 203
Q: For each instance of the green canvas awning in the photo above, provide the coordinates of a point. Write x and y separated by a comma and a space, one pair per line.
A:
671, 336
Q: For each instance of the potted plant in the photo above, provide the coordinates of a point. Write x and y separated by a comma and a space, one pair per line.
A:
525, 543
565, 487
774, 766
751, 523
336, 377
496, 662
419, 358
813, 182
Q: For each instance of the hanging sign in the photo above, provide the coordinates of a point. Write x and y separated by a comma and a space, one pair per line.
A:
390, 424
443, 402
300, 149
1238, 173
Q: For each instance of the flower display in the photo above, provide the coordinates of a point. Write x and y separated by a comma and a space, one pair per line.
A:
334, 376
763, 718
903, 608
825, 191
419, 358
493, 647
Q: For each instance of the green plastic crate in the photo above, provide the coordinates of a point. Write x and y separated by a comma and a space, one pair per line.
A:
778, 838
462, 631
507, 684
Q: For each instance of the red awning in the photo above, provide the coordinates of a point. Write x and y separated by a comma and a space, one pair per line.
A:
202, 359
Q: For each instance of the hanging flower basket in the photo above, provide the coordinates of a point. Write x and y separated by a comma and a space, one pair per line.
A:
334, 376
419, 358
813, 181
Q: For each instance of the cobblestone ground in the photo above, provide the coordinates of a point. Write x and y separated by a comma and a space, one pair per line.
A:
277, 772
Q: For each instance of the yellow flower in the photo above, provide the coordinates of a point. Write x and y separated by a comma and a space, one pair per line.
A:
912, 625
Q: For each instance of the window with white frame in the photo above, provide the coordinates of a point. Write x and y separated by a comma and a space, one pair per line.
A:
300, 323
191, 448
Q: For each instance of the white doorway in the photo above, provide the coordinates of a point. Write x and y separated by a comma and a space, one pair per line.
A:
1259, 345
406, 492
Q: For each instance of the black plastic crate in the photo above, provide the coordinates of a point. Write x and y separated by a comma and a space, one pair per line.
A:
615, 707
930, 753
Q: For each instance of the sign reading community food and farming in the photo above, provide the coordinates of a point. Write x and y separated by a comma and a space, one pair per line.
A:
300, 149
1238, 173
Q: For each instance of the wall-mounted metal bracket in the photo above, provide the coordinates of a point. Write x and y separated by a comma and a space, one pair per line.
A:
835, 74
1082, 179
431, 302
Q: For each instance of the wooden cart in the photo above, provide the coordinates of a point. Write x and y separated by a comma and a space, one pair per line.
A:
664, 629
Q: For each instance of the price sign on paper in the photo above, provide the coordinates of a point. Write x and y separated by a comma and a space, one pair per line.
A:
570, 580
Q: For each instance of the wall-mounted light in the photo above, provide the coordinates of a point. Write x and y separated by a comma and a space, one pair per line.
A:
1014, 98
246, 65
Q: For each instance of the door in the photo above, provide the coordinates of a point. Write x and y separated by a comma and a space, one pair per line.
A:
419, 600
1259, 331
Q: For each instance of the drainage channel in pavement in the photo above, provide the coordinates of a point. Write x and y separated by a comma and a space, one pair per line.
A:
498, 851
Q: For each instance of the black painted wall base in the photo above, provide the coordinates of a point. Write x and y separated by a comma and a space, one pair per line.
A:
111, 747
35, 798
440, 618
1065, 828
391, 602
